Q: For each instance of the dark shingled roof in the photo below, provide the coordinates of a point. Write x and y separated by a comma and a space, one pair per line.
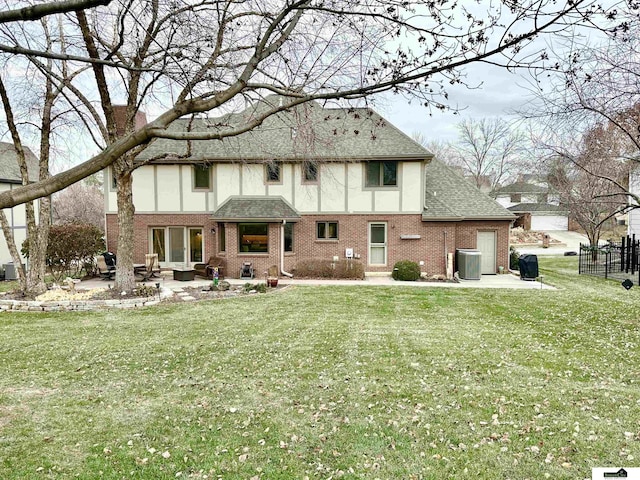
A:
450, 197
538, 208
521, 187
308, 131
9, 170
256, 208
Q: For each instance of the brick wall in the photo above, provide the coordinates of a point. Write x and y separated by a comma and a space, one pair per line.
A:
436, 238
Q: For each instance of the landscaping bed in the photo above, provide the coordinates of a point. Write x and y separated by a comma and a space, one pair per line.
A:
519, 237
61, 299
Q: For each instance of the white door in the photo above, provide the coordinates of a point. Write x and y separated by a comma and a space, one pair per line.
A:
487, 247
377, 244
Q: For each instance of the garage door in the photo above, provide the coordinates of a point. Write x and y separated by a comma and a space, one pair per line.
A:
487, 246
549, 222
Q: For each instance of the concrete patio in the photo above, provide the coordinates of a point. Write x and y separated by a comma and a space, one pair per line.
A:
166, 280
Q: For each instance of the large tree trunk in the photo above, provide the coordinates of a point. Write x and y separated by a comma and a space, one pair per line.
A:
38, 242
125, 280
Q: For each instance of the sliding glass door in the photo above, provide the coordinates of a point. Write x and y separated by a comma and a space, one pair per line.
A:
177, 246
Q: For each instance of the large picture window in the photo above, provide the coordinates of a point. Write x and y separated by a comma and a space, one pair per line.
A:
253, 237
381, 174
327, 230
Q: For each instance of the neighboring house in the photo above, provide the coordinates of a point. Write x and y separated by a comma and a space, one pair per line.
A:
535, 205
633, 216
10, 178
312, 182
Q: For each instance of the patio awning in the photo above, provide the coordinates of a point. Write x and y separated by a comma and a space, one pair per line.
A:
256, 209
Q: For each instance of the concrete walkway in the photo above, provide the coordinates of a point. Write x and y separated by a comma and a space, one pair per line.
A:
569, 242
488, 281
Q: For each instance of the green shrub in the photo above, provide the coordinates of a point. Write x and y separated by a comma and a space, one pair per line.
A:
514, 256
258, 287
322, 268
71, 249
406, 270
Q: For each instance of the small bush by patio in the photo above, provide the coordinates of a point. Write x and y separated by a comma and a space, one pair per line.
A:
406, 270
323, 268
71, 250
514, 256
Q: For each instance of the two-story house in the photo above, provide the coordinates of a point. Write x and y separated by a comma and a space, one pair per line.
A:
10, 178
535, 204
312, 182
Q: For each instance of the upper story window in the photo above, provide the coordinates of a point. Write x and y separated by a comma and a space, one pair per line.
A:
273, 172
381, 174
202, 177
309, 172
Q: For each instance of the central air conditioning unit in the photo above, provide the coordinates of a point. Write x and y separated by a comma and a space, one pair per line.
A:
468, 264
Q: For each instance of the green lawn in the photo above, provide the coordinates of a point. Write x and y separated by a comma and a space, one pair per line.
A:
324, 382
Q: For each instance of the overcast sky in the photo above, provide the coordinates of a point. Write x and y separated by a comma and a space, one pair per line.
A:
499, 94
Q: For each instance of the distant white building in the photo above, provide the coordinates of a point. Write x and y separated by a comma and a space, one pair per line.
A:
634, 215
536, 206
10, 178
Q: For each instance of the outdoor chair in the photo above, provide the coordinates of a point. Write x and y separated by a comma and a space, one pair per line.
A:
246, 271
110, 259
206, 270
106, 272
152, 264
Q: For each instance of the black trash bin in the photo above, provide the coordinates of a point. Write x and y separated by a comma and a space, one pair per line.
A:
528, 265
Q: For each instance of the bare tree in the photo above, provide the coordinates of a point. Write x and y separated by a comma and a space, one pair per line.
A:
590, 176
488, 150
79, 203
592, 92
193, 57
38, 11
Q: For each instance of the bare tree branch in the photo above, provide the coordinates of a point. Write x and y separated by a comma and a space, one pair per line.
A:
36, 12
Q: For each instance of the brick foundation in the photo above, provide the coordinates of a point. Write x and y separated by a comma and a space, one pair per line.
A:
436, 238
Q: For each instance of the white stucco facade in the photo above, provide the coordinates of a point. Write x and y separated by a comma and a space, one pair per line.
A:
340, 188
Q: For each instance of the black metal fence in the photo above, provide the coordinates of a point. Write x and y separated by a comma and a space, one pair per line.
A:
613, 260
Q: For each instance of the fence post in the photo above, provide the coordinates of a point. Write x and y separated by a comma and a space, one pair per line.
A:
580, 259
622, 252
634, 254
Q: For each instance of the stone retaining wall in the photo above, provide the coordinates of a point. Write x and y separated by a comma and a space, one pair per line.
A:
74, 305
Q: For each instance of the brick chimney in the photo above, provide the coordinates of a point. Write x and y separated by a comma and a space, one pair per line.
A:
120, 113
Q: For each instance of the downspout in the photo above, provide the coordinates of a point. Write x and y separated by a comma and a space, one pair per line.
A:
286, 274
